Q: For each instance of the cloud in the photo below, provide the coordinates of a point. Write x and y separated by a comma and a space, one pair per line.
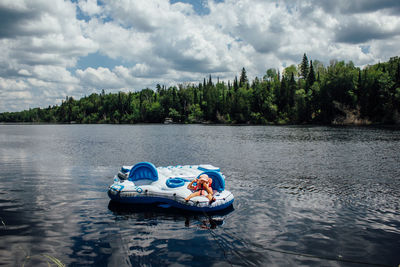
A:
12, 21
358, 6
145, 16
54, 74
118, 42
41, 34
24, 72
252, 25
118, 78
12, 85
39, 41
47, 47
357, 29
100, 78
89, 7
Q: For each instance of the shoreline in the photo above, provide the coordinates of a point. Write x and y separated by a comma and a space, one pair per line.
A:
215, 124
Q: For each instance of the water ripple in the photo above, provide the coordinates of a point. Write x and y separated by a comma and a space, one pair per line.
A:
304, 195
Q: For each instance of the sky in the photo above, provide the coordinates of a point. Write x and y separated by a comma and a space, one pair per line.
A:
50, 49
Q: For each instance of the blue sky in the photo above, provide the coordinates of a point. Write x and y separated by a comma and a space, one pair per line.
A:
51, 49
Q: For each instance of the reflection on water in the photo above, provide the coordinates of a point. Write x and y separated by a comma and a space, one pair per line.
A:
137, 212
303, 196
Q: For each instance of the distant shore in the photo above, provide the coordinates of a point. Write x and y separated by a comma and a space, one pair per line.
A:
213, 124
338, 94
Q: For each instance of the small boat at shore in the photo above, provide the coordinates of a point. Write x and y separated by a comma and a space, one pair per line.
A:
168, 186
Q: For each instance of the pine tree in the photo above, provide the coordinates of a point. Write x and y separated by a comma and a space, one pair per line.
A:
304, 67
283, 95
291, 90
359, 86
158, 87
311, 75
235, 84
243, 78
398, 74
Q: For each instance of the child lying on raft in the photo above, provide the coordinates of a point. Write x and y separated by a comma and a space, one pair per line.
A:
202, 188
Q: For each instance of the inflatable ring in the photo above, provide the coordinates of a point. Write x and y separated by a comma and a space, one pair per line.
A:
175, 182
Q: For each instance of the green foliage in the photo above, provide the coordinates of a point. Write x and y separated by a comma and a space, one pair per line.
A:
289, 71
304, 67
311, 93
243, 79
271, 74
196, 114
174, 114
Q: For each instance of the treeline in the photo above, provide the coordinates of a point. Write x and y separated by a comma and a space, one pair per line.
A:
307, 93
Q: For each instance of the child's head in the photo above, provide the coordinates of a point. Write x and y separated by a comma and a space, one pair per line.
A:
203, 178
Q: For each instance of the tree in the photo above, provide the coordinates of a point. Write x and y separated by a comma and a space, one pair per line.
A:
310, 76
291, 90
270, 75
304, 69
243, 79
289, 71
196, 114
298, 96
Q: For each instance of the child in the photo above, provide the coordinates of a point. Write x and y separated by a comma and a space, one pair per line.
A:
203, 188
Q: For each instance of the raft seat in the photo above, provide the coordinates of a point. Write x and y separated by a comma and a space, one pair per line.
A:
143, 171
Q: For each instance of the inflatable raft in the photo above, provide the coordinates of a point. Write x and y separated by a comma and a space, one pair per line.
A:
144, 183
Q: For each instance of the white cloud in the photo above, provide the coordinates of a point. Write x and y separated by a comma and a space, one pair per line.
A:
24, 72
19, 95
144, 16
12, 85
54, 74
89, 7
117, 42
154, 41
99, 78
40, 41
38, 84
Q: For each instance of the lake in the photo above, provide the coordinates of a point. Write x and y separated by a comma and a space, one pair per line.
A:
304, 195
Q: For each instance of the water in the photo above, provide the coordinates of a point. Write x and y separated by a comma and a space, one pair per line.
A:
311, 196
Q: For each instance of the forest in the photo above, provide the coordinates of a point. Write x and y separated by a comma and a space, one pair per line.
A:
309, 93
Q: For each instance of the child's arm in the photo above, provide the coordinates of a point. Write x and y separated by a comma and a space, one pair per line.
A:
190, 185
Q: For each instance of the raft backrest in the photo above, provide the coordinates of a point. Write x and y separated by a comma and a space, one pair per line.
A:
143, 170
218, 181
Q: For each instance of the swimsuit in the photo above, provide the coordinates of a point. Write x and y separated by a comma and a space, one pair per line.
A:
200, 187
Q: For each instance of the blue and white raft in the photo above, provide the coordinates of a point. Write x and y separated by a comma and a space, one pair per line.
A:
144, 183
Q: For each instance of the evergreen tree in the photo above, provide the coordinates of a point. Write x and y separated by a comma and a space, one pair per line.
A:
243, 78
311, 75
304, 69
373, 92
291, 91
